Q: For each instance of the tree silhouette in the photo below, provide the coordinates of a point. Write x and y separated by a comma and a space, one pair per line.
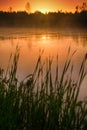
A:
77, 9
84, 6
27, 7
10, 9
81, 8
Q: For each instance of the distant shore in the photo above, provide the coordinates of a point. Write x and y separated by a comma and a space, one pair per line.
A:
49, 20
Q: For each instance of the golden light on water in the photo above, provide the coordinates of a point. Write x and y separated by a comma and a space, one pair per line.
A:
44, 37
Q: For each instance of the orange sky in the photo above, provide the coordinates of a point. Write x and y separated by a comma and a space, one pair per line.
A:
41, 5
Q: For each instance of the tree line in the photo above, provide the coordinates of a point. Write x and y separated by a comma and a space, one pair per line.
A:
38, 19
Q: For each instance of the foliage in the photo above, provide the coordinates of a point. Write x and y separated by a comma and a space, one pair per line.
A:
39, 102
52, 19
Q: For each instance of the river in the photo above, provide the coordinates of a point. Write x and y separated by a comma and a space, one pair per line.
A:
53, 41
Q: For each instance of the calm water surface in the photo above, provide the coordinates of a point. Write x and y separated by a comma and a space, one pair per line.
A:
53, 41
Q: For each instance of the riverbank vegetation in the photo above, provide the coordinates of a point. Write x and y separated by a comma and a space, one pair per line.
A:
42, 101
51, 20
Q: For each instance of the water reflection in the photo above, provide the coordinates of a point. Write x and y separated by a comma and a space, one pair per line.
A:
53, 42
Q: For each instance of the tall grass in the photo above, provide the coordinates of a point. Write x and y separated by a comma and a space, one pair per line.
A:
39, 102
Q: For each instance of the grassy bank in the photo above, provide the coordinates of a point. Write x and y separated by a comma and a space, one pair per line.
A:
39, 102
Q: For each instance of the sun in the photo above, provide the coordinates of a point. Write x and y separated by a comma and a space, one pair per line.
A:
44, 10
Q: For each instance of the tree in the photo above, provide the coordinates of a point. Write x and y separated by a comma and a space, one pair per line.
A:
38, 12
27, 7
10, 9
81, 8
77, 9
84, 6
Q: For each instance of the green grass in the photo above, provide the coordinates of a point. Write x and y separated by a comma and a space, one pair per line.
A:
40, 102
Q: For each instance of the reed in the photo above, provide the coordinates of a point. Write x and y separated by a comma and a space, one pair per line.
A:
40, 102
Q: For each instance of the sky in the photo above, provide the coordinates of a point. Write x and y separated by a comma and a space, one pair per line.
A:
41, 5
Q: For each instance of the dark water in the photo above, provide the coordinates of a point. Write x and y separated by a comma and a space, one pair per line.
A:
53, 41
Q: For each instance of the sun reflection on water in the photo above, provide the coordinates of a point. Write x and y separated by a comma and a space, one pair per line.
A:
30, 42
